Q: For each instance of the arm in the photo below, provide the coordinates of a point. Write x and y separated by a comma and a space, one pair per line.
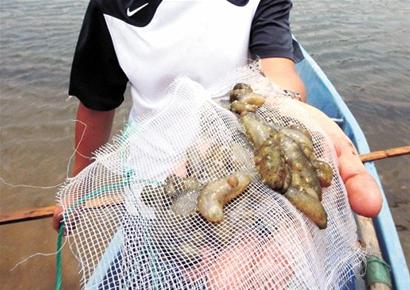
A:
92, 130
98, 81
282, 71
271, 41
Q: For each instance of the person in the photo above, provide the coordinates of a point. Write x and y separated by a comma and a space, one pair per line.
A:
147, 43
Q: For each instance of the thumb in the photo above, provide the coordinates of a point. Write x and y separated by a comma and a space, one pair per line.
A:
364, 194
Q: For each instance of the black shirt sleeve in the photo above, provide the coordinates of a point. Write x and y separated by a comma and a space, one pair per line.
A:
97, 79
270, 32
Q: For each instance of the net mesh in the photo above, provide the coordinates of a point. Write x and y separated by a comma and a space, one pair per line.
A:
129, 232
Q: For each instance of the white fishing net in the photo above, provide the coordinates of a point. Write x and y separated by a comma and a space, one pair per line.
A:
128, 232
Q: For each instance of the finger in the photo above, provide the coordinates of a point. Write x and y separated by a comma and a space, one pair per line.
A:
363, 191
57, 217
364, 195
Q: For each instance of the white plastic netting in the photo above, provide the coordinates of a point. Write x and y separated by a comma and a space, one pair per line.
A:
125, 232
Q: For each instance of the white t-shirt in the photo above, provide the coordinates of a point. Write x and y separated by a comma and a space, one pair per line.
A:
150, 43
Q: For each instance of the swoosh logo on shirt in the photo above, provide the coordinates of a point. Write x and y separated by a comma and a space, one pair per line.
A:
130, 13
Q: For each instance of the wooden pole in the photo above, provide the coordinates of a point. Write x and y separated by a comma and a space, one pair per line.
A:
45, 212
392, 152
26, 215
48, 211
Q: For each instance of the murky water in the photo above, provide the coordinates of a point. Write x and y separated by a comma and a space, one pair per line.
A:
362, 46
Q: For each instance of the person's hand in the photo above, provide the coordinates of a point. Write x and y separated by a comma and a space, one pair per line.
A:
363, 192
57, 217
70, 222
253, 264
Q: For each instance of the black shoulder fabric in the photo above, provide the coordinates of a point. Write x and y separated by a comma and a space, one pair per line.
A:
270, 32
97, 79
239, 2
135, 12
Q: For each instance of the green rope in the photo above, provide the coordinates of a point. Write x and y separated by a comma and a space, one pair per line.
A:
59, 270
378, 271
